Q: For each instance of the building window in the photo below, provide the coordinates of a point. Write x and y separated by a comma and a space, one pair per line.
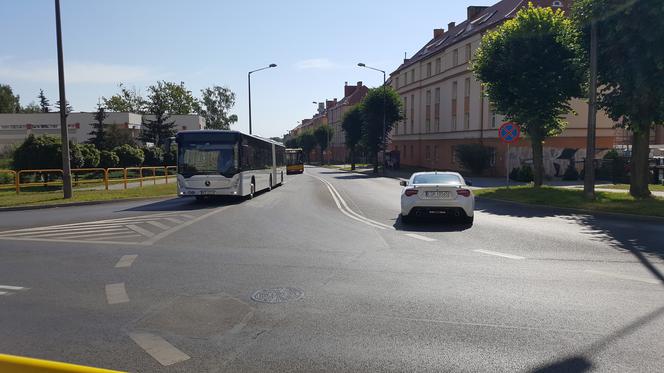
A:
466, 120
435, 152
454, 155
405, 154
405, 78
427, 153
412, 151
436, 111
455, 57
412, 113
466, 88
428, 111
397, 81
454, 105
428, 69
455, 86
438, 65
405, 114
412, 76
454, 121
493, 117
468, 52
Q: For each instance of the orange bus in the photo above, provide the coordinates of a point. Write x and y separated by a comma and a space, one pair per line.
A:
294, 163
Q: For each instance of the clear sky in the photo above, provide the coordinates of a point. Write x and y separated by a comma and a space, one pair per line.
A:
315, 44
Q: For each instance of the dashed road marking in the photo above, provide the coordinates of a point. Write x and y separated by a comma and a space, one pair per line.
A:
496, 253
625, 277
126, 261
9, 289
419, 237
158, 225
116, 293
140, 230
157, 347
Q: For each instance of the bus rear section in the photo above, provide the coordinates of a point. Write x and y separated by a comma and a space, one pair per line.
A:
294, 162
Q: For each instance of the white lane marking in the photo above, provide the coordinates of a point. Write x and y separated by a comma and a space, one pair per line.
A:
423, 238
624, 277
95, 237
126, 261
489, 252
72, 241
158, 225
105, 222
343, 207
174, 220
157, 347
187, 216
49, 230
116, 293
166, 233
8, 287
140, 230
78, 233
3, 293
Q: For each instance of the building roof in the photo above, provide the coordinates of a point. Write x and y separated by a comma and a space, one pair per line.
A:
484, 20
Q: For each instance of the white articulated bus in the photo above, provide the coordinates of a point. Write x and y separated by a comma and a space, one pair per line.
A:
214, 162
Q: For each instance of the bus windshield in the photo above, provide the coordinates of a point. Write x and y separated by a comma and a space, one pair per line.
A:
293, 158
207, 159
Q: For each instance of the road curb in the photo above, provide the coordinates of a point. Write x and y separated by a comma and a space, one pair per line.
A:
85, 203
645, 218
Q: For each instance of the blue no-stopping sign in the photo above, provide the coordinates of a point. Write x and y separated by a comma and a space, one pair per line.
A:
509, 132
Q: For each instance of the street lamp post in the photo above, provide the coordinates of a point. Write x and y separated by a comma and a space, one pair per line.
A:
384, 110
249, 83
64, 135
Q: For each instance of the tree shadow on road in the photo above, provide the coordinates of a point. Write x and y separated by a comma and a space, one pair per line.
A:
188, 204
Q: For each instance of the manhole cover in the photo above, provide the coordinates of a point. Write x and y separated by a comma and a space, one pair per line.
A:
277, 295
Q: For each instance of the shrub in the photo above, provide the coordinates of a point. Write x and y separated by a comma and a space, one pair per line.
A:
129, 156
90, 155
37, 152
523, 173
474, 157
153, 156
108, 159
171, 157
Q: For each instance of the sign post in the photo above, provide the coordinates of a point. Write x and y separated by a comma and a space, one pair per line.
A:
509, 132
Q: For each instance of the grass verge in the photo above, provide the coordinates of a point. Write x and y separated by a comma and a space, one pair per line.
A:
9, 198
569, 198
652, 187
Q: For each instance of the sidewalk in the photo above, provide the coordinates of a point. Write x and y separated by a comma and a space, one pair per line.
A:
490, 182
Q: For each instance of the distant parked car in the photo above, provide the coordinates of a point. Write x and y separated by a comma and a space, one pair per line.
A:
436, 194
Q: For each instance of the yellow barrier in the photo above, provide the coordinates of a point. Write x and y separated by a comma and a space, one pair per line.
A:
106, 179
17, 364
15, 176
41, 183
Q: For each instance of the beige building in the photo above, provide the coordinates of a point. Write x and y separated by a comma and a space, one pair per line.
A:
14, 128
353, 94
445, 105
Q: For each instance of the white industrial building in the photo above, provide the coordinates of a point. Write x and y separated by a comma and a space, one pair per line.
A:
14, 128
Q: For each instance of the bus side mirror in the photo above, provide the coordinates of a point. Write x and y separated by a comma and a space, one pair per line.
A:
403, 183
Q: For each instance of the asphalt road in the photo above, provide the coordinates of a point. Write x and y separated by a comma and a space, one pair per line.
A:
167, 286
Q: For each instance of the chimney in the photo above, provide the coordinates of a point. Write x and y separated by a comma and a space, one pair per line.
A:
438, 32
359, 84
474, 11
450, 26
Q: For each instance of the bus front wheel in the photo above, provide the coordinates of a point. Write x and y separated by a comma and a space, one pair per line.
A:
252, 190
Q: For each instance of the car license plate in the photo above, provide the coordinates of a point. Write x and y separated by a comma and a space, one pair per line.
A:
204, 192
438, 195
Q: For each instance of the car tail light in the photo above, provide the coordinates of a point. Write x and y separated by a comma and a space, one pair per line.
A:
411, 192
463, 192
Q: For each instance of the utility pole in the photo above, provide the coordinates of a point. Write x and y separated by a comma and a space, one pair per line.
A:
589, 177
64, 135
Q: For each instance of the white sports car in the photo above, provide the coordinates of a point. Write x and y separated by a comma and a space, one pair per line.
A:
437, 193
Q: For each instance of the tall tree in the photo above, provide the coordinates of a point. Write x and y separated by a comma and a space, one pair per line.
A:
378, 100
531, 67
98, 133
630, 70
352, 124
323, 134
44, 104
116, 136
179, 100
157, 127
31, 108
8, 101
68, 107
216, 103
127, 101
291, 142
307, 141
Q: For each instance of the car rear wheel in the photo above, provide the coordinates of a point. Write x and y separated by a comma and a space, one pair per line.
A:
468, 219
406, 219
